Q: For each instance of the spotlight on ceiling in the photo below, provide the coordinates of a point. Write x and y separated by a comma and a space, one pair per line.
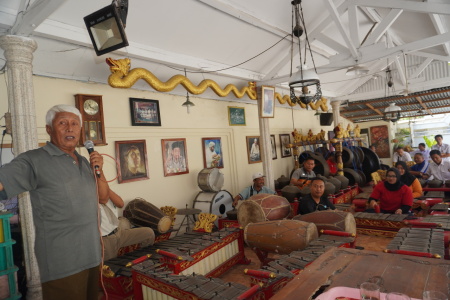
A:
106, 27
392, 113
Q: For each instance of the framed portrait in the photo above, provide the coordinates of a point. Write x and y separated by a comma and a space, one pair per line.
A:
273, 146
285, 139
132, 159
175, 161
144, 112
236, 116
253, 149
267, 101
212, 152
379, 137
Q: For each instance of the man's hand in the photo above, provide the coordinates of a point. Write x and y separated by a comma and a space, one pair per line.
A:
398, 212
373, 203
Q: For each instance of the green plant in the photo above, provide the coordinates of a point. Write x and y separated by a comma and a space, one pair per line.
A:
430, 141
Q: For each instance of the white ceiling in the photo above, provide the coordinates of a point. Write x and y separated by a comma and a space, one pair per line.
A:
209, 35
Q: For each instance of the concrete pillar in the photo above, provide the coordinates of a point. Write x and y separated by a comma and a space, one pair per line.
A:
18, 52
266, 148
336, 113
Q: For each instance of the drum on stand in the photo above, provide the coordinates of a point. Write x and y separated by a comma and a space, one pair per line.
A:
263, 207
330, 220
210, 180
214, 203
144, 214
282, 236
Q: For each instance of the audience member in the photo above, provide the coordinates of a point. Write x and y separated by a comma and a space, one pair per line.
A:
316, 201
302, 176
401, 155
439, 168
117, 232
444, 149
422, 150
420, 167
257, 187
410, 180
391, 195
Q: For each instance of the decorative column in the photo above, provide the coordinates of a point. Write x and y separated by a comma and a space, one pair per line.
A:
266, 147
336, 113
18, 52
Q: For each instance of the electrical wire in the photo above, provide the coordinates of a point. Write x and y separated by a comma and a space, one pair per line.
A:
218, 70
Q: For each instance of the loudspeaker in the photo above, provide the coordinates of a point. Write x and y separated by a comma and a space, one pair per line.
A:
326, 119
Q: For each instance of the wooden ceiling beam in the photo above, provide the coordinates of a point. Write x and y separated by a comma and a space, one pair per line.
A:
354, 103
423, 105
375, 115
402, 104
374, 109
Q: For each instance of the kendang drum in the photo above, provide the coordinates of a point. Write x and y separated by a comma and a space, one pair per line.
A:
210, 180
330, 220
214, 203
282, 236
263, 207
142, 213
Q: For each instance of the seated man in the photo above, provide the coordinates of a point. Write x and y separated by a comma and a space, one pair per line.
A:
116, 233
316, 200
423, 150
421, 165
331, 161
439, 168
257, 187
401, 155
302, 176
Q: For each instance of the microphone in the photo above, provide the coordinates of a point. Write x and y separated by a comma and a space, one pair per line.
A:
89, 145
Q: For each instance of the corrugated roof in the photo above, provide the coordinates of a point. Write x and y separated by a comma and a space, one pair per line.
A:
432, 102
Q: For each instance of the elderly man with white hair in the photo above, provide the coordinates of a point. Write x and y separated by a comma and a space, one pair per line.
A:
211, 156
64, 193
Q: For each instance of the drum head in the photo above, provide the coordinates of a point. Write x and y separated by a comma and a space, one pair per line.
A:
164, 224
214, 203
210, 180
250, 212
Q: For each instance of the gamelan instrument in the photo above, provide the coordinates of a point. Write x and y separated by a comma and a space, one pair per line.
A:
195, 252
142, 213
330, 220
282, 236
153, 282
427, 242
263, 207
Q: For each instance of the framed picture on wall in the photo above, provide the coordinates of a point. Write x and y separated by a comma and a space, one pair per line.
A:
236, 116
273, 146
175, 159
379, 137
132, 159
253, 149
212, 152
144, 112
267, 101
285, 139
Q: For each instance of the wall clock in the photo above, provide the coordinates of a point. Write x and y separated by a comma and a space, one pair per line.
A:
93, 126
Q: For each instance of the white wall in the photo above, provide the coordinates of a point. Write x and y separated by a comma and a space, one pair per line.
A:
207, 119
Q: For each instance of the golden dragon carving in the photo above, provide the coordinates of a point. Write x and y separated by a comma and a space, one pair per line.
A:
123, 77
322, 103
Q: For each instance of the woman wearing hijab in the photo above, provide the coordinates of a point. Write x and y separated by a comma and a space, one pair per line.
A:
409, 179
392, 195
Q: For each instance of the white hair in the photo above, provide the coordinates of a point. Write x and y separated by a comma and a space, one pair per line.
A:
51, 113
211, 144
